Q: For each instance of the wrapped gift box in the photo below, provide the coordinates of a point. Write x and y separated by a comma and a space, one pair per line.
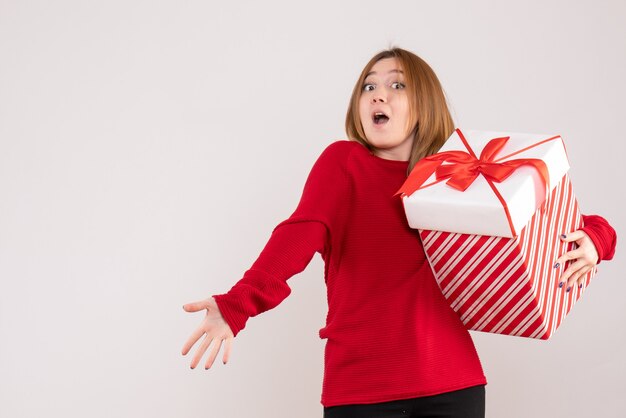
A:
493, 264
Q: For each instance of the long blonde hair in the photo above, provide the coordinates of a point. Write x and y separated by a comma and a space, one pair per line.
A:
434, 124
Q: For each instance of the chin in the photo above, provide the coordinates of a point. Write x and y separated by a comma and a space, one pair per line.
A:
382, 143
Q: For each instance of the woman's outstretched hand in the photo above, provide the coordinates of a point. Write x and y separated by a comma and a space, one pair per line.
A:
582, 259
214, 328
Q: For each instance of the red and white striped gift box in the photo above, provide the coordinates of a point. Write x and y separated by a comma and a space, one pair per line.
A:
508, 285
489, 208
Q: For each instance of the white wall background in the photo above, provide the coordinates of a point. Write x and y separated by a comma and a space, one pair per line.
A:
148, 148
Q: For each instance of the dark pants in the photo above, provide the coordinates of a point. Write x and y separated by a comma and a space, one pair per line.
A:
464, 403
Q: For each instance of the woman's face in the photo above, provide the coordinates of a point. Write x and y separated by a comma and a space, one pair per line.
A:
383, 91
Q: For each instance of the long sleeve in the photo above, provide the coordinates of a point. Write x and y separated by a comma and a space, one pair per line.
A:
602, 234
293, 242
288, 252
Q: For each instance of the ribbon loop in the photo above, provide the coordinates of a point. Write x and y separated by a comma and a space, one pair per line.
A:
462, 168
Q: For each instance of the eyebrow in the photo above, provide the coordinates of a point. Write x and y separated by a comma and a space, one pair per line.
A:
392, 71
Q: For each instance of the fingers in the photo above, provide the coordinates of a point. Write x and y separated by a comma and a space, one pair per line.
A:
573, 268
578, 278
570, 255
197, 334
217, 344
201, 350
216, 330
584, 258
573, 236
227, 348
197, 306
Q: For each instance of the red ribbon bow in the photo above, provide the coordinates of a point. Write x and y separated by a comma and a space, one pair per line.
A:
465, 167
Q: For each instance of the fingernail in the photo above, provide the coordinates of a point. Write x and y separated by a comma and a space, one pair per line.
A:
563, 236
556, 266
568, 288
580, 286
560, 284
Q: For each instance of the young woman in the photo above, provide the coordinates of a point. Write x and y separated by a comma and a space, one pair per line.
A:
394, 347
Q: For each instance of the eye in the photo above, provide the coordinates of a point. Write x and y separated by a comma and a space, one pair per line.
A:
365, 87
400, 84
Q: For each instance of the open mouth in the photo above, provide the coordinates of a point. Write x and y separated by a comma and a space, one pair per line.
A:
380, 118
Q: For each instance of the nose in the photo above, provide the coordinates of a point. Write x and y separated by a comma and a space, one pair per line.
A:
379, 97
